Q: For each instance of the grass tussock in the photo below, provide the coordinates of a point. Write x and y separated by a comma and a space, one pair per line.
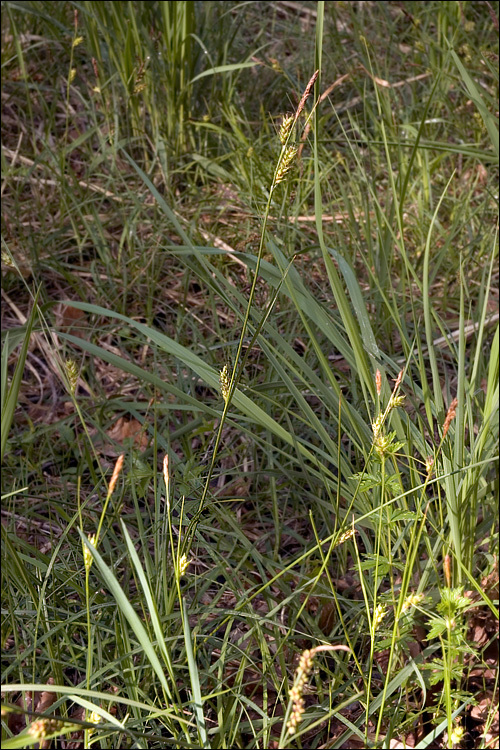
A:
250, 360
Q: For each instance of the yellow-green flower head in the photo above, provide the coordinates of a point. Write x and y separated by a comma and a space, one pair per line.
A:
40, 728
87, 555
285, 128
225, 382
457, 734
72, 373
286, 164
378, 615
412, 600
183, 564
396, 402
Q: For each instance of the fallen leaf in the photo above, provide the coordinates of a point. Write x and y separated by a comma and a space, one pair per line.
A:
124, 429
70, 318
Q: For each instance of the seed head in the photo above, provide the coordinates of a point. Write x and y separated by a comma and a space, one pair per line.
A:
412, 600
7, 260
450, 416
166, 474
457, 734
429, 466
301, 677
382, 443
286, 126
94, 718
115, 475
183, 564
396, 402
225, 382
286, 164
345, 536
377, 425
72, 373
40, 728
378, 615
398, 380
306, 93
447, 570
87, 555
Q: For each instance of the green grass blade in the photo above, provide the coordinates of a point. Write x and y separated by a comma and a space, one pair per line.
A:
208, 374
123, 603
10, 397
151, 604
489, 119
194, 679
224, 69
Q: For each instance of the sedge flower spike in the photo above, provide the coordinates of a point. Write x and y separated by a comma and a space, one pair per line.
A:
306, 663
286, 126
306, 93
72, 373
286, 164
450, 416
225, 382
87, 555
40, 728
116, 474
378, 615
183, 564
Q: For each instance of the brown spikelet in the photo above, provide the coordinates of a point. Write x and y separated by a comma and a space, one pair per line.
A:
450, 416
398, 380
115, 475
322, 98
447, 570
166, 474
306, 93
378, 382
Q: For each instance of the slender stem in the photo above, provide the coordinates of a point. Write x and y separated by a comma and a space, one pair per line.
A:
238, 365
